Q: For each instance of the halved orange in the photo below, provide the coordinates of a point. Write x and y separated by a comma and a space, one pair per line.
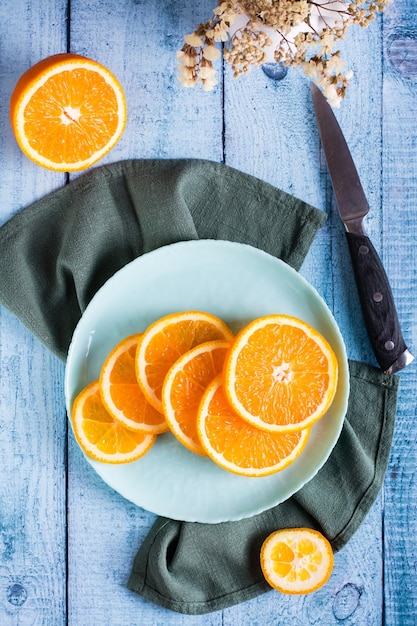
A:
280, 374
100, 436
67, 112
236, 445
167, 339
121, 394
296, 560
184, 387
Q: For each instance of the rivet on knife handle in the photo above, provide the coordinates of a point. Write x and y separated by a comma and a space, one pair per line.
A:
378, 306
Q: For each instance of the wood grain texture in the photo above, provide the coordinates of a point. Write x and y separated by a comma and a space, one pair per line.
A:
32, 492
399, 228
32, 417
67, 541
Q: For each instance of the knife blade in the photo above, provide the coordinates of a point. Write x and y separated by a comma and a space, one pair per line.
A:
375, 294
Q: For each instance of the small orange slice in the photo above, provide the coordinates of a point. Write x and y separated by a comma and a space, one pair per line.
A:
121, 394
296, 560
100, 436
67, 112
184, 387
280, 374
238, 446
166, 340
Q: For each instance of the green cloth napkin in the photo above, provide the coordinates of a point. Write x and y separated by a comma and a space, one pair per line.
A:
54, 256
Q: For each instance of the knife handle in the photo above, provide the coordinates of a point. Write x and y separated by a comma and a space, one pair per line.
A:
377, 301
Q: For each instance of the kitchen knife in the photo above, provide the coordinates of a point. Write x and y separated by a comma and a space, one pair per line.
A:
375, 294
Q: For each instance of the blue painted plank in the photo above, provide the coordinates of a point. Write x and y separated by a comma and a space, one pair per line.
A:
398, 229
32, 417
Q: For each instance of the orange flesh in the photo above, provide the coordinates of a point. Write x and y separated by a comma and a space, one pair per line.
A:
67, 112
103, 432
272, 389
297, 560
95, 121
240, 443
126, 393
175, 340
188, 387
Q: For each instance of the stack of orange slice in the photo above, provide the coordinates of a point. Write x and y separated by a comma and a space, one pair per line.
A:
248, 402
127, 404
278, 379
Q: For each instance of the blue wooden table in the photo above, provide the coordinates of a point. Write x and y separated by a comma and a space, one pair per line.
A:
66, 539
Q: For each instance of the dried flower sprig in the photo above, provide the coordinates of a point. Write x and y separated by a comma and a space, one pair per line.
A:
300, 33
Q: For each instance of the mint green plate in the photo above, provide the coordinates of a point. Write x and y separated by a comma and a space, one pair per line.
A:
237, 283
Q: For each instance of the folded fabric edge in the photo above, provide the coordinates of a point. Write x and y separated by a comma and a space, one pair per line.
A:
201, 608
388, 383
138, 584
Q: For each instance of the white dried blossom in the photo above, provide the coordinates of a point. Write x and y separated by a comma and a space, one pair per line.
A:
186, 59
187, 72
302, 33
330, 92
207, 71
211, 53
193, 40
219, 32
186, 82
209, 84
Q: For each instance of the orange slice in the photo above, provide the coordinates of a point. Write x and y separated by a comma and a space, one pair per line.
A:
238, 446
67, 112
280, 374
100, 436
166, 340
296, 560
121, 394
184, 387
